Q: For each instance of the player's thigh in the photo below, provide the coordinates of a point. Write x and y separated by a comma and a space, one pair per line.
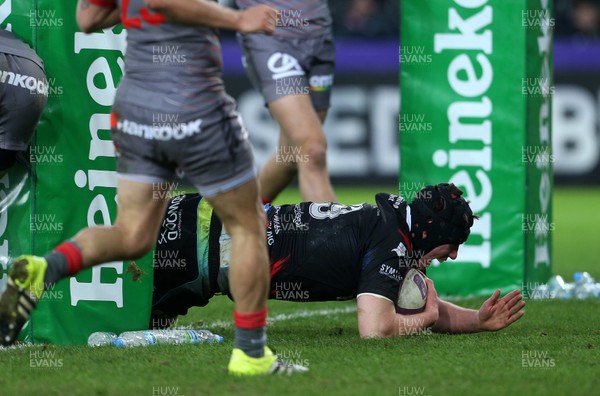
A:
141, 208
297, 118
240, 208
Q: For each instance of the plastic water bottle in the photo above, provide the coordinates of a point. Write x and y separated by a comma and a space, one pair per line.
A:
166, 337
224, 248
584, 285
135, 338
101, 338
567, 292
557, 288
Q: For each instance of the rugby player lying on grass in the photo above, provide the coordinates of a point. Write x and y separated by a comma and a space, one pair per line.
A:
331, 252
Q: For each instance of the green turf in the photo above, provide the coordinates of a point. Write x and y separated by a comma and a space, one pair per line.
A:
576, 241
566, 333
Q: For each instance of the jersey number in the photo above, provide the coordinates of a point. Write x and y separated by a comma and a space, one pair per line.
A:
136, 22
324, 210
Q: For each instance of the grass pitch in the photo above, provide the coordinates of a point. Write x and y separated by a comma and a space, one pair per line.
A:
553, 350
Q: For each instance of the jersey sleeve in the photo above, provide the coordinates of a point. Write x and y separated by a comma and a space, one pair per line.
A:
104, 3
381, 280
383, 264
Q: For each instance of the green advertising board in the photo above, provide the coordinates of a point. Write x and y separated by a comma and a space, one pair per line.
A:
73, 178
475, 99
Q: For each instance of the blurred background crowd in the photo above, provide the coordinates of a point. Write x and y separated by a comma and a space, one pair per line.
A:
577, 18
380, 18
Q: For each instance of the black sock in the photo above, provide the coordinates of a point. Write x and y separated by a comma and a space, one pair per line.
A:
252, 342
58, 268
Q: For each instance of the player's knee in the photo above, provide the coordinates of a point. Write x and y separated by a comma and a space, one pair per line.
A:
251, 223
316, 154
136, 243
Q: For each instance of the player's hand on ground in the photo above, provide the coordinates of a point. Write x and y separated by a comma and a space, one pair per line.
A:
432, 302
497, 313
257, 19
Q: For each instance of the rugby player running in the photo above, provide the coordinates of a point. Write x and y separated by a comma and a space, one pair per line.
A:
170, 114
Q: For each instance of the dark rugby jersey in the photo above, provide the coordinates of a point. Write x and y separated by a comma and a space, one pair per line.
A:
318, 252
11, 44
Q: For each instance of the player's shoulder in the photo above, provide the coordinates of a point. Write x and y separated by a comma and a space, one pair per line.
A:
393, 208
12, 44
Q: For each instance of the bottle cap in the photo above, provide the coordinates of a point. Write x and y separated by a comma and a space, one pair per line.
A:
119, 342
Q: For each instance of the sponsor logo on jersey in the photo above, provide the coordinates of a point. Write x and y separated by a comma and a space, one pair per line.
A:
160, 131
321, 83
284, 65
275, 223
298, 216
400, 250
390, 272
29, 83
171, 226
397, 200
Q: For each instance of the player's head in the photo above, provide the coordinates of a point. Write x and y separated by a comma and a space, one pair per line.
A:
439, 216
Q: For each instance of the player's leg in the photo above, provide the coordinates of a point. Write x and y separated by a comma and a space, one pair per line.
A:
227, 179
133, 234
244, 219
278, 171
139, 215
302, 126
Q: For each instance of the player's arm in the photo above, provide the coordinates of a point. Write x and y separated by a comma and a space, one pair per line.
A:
93, 15
377, 317
495, 314
257, 19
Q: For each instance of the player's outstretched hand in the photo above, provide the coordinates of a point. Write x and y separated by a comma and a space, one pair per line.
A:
497, 313
257, 19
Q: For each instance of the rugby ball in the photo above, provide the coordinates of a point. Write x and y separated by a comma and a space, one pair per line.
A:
413, 293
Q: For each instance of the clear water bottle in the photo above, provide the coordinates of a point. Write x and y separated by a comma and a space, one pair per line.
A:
224, 248
557, 288
135, 338
567, 292
101, 338
166, 337
584, 285
581, 278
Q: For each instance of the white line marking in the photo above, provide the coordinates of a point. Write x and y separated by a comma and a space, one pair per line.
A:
290, 316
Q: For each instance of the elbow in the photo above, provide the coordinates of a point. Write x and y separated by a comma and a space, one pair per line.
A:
378, 331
